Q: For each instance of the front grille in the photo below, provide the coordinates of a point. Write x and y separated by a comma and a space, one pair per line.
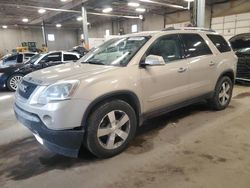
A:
243, 67
25, 89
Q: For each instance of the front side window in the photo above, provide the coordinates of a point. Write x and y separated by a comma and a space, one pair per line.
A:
195, 45
52, 57
34, 58
11, 58
167, 47
116, 52
220, 43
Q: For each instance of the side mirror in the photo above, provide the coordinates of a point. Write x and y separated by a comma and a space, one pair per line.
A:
153, 60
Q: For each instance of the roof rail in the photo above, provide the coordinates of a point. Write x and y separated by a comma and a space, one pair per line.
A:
189, 28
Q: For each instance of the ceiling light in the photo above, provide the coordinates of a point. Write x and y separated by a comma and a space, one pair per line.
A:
133, 4
189, 0
107, 10
140, 9
41, 11
79, 18
141, 17
64, 0
58, 25
4, 26
25, 20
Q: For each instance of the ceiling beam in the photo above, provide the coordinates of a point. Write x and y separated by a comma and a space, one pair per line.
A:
69, 6
66, 8
164, 4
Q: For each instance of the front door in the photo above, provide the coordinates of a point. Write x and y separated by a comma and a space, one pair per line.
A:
165, 85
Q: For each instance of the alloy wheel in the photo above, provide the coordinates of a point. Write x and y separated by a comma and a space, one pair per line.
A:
113, 129
14, 81
225, 93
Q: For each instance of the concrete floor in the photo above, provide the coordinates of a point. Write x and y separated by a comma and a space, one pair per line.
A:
189, 148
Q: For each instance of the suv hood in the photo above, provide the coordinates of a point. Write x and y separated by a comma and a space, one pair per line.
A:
68, 71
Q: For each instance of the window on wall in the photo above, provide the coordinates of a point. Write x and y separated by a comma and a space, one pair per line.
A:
134, 28
51, 37
107, 32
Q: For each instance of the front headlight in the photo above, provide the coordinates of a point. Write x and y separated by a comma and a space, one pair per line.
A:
58, 91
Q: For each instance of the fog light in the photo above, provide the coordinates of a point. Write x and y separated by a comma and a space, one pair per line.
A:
47, 119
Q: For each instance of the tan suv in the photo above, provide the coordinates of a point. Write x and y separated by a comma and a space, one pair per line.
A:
99, 101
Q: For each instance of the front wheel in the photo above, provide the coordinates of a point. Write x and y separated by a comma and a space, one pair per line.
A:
13, 81
222, 94
110, 128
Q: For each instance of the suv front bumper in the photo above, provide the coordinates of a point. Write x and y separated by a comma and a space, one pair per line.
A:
65, 142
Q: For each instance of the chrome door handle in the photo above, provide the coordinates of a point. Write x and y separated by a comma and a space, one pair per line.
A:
212, 63
182, 69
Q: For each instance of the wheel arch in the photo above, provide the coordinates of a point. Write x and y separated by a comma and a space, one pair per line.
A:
229, 73
125, 95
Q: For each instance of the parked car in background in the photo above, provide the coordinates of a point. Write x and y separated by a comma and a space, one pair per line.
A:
10, 76
80, 50
129, 79
241, 45
14, 58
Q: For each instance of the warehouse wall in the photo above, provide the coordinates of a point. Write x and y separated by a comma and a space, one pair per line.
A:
65, 39
11, 38
156, 22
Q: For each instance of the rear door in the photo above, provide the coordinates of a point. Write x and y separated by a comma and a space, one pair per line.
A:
201, 64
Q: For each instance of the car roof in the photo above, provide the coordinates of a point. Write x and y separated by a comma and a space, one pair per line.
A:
26, 52
64, 52
172, 30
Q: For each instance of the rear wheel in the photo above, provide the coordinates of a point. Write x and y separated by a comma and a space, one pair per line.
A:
110, 128
13, 81
222, 94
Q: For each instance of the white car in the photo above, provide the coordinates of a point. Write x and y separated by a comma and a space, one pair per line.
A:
10, 76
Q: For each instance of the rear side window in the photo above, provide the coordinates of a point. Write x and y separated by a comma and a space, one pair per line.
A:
195, 45
220, 43
28, 55
69, 57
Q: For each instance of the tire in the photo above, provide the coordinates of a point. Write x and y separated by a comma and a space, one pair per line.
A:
110, 128
13, 81
222, 94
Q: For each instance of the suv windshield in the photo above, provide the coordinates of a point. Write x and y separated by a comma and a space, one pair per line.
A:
116, 52
34, 58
